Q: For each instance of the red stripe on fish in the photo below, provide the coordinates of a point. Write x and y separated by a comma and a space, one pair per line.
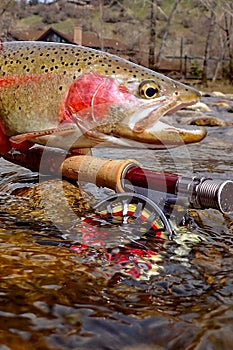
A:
17, 80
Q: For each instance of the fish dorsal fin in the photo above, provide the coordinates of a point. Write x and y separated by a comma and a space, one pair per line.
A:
60, 130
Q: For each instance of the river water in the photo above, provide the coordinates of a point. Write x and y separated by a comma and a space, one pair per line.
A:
58, 293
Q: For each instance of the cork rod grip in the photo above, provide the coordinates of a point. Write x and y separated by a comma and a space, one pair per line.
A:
100, 171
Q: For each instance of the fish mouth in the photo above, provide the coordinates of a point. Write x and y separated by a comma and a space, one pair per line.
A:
145, 126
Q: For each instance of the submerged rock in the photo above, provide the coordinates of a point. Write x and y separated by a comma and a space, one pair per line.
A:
229, 96
207, 121
218, 93
221, 104
54, 199
184, 113
199, 106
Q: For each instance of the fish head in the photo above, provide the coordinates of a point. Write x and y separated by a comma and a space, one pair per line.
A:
124, 108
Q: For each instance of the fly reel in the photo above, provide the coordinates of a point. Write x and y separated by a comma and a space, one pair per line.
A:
133, 212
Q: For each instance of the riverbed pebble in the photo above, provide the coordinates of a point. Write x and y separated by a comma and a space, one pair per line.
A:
199, 106
207, 121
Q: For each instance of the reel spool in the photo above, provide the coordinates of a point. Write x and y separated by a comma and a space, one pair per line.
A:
133, 212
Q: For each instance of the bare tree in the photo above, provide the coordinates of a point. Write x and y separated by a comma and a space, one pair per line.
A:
209, 42
5, 5
166, 31
6, 18
152, 34
222, 15
222, 54
228, 31
224, 39
101, 35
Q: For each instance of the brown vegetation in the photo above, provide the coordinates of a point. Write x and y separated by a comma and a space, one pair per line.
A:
199, 33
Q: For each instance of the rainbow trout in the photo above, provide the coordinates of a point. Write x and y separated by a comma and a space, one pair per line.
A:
75, 97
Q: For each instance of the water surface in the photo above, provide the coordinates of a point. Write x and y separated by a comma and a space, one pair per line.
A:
56, 293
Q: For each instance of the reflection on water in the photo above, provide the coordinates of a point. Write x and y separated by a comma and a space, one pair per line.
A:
58, 293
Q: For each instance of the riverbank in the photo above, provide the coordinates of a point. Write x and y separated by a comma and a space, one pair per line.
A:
220, 85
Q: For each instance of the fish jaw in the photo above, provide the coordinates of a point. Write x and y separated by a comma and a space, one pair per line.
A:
145, 127
161, 136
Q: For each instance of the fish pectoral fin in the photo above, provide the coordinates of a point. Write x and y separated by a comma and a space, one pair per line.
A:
60, 130
96, 136
89, 130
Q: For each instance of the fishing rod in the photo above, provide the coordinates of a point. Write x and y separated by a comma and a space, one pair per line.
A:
201, 192
127, 176
144, 199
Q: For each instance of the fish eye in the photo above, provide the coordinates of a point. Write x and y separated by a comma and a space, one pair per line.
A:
149, 89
